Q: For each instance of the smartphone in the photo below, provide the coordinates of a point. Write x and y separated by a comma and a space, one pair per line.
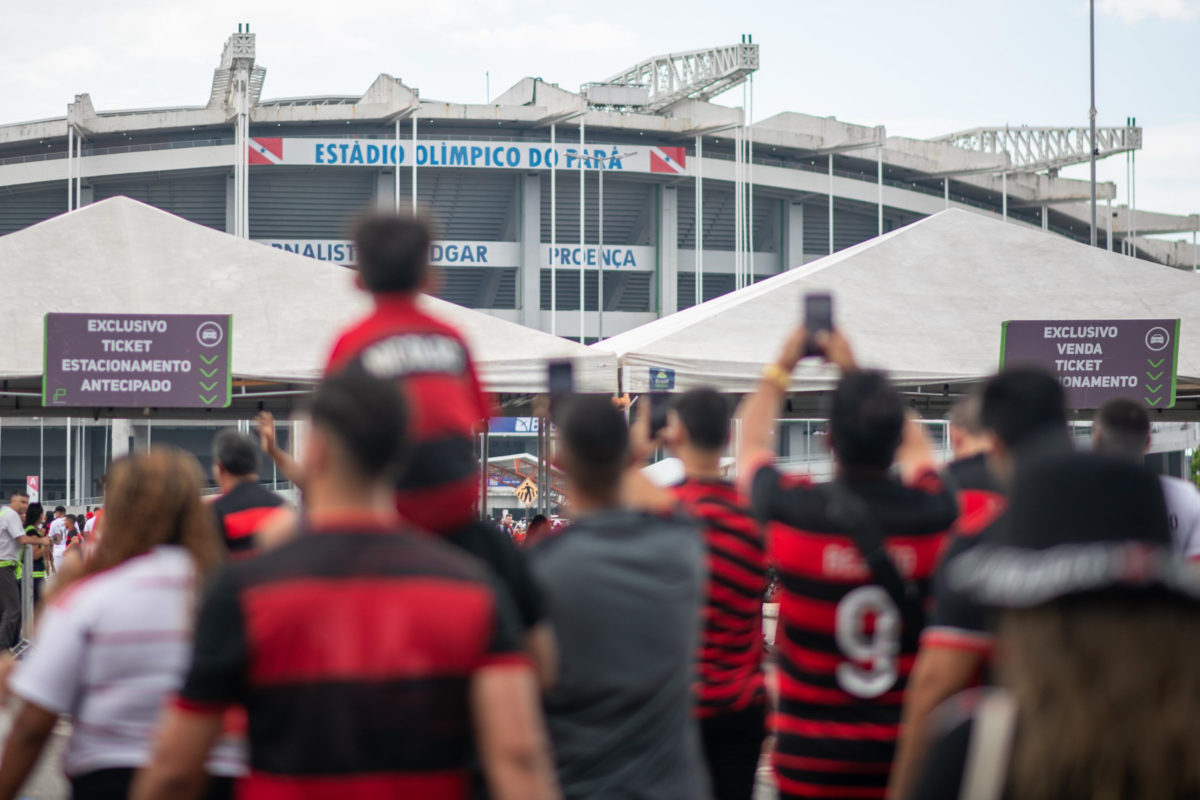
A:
660, 404
560, 380
818, 318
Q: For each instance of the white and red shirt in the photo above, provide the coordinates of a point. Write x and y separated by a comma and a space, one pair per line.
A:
111, 651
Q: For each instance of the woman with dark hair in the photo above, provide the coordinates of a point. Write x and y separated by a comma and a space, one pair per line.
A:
113, 647
1098, 644
35, 515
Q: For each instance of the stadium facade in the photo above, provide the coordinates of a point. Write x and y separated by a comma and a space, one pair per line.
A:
681, 198
774, 194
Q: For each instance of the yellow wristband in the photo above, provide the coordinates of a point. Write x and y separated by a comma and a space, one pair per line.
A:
778, 376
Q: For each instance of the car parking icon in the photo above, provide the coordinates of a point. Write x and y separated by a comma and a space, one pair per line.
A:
1157, 338
209, 334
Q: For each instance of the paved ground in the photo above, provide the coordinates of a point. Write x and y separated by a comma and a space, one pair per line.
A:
47, 781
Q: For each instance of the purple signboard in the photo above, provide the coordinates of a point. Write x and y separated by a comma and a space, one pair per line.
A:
1097, 360
138, 360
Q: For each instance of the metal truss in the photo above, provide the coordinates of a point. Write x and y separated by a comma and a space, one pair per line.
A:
239, 52
1036, 149
697, 75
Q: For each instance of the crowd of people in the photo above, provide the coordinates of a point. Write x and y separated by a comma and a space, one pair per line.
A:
1020, 623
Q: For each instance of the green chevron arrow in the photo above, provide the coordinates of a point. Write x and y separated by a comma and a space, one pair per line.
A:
1153, 402
1155, 364
208, 401
213, 360
1153, 389
1154, 375
208, 387
208, 373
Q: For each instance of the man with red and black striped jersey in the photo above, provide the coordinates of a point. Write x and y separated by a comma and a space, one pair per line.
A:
438, 488
373, 660
847, 631
730, 690
244, 505
1024, 415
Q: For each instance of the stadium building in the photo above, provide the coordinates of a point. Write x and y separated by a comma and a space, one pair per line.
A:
503, 180
682, 198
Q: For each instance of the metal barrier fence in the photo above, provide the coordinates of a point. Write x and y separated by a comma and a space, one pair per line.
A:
26, 601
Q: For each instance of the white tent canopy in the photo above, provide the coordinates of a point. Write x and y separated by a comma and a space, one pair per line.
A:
925, 302
122, 256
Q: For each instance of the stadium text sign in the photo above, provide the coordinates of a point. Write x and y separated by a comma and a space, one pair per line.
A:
1097, 360
484, 254
468, 154
138, 360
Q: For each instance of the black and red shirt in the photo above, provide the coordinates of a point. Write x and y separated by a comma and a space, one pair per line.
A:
439, 488
729, 667
241, 512
973, 481
960, 622
844, 651
352, 648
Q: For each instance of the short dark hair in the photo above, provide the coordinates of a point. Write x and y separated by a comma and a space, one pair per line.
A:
1023, 404
964, 414
1123, 428
235, 452
866, 420
18, 493
367, 416
60, 510
392, 252
538, 519
705, 416
596, 439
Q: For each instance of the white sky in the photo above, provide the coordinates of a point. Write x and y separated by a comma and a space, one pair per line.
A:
920, 67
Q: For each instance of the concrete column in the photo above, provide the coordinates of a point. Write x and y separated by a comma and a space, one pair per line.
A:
141, 437
230, 204
385, 190
119, 442
668, 250
299, 437
793, 234
530, 235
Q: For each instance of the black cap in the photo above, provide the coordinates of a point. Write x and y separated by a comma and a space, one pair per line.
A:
1077, 523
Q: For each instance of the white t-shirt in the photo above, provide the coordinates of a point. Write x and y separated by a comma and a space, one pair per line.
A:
58, 533
111, 651
1183, 510
11, 527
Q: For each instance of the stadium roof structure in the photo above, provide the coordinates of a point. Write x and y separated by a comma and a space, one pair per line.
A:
122, 256
925, 302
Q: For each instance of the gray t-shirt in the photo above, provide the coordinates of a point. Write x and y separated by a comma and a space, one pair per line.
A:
623, 592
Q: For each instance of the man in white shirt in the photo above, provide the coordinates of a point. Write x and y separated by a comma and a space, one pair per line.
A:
58, 532
12, 536
1122, 428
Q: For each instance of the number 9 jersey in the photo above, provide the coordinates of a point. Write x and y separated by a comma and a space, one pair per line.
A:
844, 652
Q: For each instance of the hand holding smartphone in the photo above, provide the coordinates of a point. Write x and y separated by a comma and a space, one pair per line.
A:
818, 319
660, 404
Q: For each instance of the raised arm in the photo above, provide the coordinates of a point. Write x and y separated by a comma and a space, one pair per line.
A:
290, 467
